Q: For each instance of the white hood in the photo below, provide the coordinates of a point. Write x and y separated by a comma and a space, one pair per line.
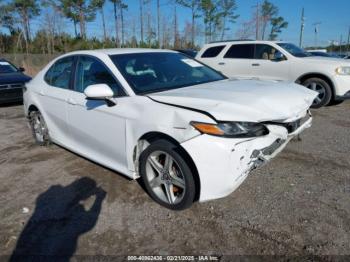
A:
243, 100
327, 60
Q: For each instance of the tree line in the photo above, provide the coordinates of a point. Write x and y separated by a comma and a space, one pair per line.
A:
158, 27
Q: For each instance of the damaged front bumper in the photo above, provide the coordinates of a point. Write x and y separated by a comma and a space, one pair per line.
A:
223, 164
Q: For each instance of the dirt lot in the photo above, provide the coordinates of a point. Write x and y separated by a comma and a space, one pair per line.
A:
296, 205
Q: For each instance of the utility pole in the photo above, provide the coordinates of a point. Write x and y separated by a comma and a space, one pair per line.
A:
141, 20
347, 47
316, 32
340, 43
158, 23
257, 22
302, 29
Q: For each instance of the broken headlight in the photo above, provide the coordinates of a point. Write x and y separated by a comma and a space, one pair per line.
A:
232, 129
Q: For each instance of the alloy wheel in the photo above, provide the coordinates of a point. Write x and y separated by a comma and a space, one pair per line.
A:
39, 127
321, 92
165, 177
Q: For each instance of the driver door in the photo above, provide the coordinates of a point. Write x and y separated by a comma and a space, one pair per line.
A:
269, 63
98, 130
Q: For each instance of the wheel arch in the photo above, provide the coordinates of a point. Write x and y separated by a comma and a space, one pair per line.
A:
156, 135
29, 109
32, 108
322, 76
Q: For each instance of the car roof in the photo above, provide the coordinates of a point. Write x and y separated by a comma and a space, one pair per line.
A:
243, 42
117, 51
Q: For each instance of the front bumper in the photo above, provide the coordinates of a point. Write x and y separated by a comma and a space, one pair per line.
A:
342, 87
10, 95
223, 164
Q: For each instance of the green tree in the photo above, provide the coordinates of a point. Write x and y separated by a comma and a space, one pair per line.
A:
195, 7
99, 4
66, 9
79, 10
122, 7
277, 24
6, 19
118, 7
24, 10
268, 12
211, 17
227, 14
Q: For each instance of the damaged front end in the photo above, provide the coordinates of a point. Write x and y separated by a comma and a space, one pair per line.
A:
224, 163
294, 128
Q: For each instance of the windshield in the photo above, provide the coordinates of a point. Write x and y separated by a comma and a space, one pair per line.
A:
6, 67
294, 50
156, 72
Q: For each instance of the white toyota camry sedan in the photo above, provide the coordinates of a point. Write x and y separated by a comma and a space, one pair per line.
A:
187, 131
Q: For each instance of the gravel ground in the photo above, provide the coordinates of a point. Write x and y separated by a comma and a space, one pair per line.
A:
55, 202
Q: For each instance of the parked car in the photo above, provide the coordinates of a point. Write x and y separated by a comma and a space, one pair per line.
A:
12, 81
323, 54
330, 77
186, 130
189, 52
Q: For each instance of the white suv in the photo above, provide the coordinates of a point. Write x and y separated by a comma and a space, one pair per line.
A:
330, 77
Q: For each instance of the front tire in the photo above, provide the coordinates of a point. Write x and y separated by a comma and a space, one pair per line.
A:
166, 176
39, 128
323, 89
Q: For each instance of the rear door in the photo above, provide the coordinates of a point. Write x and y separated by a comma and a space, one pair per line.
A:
53, 98
237, 61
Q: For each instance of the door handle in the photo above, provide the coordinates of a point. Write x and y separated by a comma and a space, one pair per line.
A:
221, 63
41, 93
255, 64
71, 101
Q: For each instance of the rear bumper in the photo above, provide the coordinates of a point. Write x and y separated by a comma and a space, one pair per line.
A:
223, 164
11, 95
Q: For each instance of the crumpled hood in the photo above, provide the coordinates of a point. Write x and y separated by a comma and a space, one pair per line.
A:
243, 100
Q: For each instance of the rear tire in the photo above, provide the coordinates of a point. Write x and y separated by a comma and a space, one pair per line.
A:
322, 87
166, 176
39, 128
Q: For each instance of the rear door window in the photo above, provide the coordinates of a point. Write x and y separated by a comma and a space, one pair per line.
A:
59, 74
213, 51
241, 51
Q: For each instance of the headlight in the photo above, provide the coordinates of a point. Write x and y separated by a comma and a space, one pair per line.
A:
343, 70
232, 129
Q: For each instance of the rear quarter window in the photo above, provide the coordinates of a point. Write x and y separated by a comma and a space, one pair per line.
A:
213, 51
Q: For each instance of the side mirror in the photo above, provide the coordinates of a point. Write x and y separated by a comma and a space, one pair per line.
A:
278, 57
98, 92
21, 69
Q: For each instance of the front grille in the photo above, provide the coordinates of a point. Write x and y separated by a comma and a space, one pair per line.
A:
11, 86
293, 126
